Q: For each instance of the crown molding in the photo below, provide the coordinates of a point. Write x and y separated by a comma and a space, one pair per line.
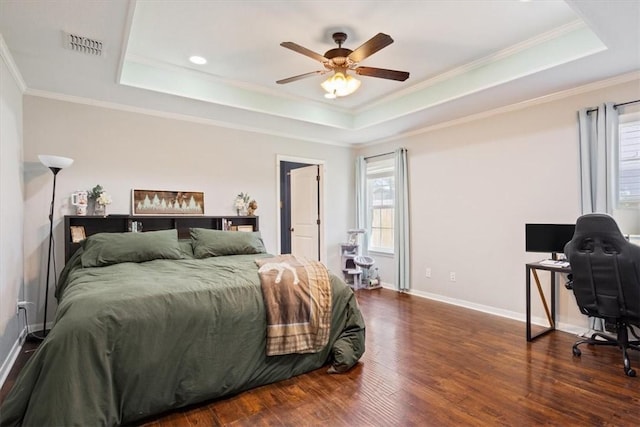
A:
173, 116
467, 68
590, 87
624, 78
5, 54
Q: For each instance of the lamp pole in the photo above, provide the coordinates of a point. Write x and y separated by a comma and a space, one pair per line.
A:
55, 164
46, 289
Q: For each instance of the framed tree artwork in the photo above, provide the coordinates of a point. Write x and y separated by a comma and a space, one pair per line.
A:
165, 202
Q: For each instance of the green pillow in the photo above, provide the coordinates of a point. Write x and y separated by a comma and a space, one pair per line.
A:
207, 243
112, 248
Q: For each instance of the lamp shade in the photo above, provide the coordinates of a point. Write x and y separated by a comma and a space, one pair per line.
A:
55, 161
340, 84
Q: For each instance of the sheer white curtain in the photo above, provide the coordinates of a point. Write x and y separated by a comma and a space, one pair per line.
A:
598, 157
401, 221
401, 214
361, 199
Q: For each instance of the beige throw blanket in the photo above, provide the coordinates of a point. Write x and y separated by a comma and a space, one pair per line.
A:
297, 297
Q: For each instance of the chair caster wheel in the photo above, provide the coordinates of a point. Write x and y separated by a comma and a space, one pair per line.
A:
576, 351
630, 372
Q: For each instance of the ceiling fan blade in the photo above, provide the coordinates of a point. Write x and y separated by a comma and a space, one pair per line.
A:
303, 50
382, 73
370, 47
300, 77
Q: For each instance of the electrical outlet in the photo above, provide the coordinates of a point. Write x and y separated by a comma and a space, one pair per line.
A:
20, 305
452, 276
428, 272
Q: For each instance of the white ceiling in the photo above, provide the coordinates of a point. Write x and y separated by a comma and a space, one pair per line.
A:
464, 56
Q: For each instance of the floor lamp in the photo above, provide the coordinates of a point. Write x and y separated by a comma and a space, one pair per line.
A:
56, 164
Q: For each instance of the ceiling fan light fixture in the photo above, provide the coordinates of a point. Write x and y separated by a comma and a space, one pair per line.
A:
340, 84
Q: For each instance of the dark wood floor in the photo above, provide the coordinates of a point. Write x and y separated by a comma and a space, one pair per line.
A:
433, 364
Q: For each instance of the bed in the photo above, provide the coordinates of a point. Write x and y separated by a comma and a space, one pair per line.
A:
150, 323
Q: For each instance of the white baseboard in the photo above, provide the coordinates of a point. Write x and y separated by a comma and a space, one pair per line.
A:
564, 327
11, 358
7, 364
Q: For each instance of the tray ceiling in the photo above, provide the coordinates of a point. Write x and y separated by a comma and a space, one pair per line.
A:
465, 57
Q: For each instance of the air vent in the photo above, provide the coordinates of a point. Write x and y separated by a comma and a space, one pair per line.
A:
83, 44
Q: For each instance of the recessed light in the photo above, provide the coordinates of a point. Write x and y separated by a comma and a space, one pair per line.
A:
198, 60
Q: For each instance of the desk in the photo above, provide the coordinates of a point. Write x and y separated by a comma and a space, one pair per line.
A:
532, 268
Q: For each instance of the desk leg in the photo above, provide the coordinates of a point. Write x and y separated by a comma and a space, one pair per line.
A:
528, 303
551, 314
552, 321
544, 300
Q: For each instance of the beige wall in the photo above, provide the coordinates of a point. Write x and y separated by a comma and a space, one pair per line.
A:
11, 213
474, 185
123, 150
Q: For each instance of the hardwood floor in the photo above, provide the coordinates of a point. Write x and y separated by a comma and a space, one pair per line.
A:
433, 364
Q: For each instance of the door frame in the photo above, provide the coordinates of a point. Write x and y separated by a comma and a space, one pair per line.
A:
321, 232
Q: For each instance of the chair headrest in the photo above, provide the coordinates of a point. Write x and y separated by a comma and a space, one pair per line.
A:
601, 229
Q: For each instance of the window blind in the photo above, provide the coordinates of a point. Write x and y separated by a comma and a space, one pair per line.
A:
629, 162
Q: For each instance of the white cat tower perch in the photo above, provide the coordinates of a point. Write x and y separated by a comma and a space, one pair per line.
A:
355, 266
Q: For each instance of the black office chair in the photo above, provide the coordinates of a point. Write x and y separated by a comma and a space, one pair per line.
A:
606, 281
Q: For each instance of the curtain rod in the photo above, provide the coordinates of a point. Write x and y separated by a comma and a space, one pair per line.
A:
622, 104
378, 155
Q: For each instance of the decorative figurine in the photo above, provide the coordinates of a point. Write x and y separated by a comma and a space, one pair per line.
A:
253, 205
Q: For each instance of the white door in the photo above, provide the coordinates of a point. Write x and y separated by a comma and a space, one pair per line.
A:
305, 212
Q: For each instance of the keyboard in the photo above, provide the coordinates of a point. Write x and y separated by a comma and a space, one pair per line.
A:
555, 263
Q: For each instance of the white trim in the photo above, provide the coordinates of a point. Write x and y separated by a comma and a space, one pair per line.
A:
12, 356
198, 74
466, 304
323, 198
478, 63
383, 254
131, 8
564, 327
624, 78
11, 65
175, 116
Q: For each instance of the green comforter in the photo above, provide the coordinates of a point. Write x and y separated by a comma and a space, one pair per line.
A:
132, 340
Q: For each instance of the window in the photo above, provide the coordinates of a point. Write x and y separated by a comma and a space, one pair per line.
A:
629, 160
380, 204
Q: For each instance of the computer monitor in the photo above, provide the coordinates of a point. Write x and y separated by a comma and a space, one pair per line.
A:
548, 238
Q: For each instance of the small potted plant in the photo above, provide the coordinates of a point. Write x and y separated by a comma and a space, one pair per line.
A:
98, 201
241, 202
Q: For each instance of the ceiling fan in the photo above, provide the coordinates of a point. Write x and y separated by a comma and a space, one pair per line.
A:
341, 59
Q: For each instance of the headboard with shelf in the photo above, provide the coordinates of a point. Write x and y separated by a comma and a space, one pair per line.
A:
124, 223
